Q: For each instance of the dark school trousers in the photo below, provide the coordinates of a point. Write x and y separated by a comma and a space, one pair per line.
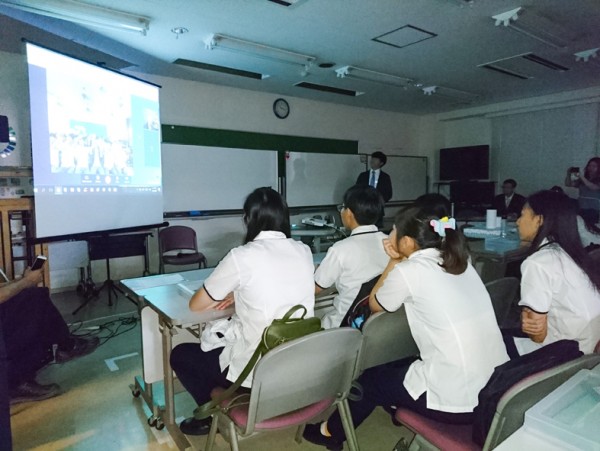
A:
384, 386
31, 324
198, 371
5, 434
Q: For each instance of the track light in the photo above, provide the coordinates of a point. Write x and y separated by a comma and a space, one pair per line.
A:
535, 27
84, 14
256, 50
372, 76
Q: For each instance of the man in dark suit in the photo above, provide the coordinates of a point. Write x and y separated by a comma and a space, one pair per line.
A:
509, 204
378, 179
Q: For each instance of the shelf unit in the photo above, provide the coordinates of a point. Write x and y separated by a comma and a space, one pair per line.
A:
17, 252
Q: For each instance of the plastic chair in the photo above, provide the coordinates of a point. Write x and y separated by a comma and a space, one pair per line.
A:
296, 383
386, 338
179, 238
503, 293
509, 416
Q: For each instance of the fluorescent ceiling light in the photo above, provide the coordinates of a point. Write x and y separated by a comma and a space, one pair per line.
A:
372, 76
535, 27
83, 13
450, 93
256, 50
586, 55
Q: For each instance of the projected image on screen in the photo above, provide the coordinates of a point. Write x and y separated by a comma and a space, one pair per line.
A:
96, 146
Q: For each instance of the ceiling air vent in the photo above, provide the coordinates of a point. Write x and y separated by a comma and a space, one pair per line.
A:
524, 66
220, 69
332, 89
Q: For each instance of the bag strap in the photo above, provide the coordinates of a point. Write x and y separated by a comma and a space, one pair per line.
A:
293, 310
211, 407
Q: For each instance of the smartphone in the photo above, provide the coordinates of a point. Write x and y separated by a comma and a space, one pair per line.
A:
38, 262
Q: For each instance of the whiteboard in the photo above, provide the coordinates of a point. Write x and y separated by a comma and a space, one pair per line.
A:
199, 178
409, 176
314, 179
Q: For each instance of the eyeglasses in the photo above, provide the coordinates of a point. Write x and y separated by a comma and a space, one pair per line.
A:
340, 207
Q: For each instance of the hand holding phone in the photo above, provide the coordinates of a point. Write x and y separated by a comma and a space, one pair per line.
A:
38, 263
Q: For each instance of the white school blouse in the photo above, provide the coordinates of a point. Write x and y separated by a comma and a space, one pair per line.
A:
348, 264
268, 276
453, 323
552, 282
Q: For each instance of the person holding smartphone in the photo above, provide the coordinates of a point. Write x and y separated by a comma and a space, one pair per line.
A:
588, 184
34, 334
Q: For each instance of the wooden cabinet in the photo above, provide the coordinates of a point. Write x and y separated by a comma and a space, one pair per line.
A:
17, 232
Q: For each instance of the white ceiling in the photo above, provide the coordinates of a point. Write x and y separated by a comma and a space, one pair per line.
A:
340, 32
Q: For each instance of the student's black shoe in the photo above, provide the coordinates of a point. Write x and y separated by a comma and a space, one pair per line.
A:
79, 347
192, 426
312, 433
32, 391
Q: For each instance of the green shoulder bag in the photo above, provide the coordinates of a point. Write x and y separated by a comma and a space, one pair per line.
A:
278, 332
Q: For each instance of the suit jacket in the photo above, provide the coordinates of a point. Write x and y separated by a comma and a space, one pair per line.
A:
384, 184
514, 207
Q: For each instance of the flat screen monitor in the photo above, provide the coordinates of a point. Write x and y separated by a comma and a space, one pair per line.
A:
465, 163
95, 137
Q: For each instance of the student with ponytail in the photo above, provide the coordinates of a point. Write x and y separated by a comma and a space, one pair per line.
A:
451, 318
560, 287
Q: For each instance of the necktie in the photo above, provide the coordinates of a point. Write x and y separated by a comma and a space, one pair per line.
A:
372, 179
507, 201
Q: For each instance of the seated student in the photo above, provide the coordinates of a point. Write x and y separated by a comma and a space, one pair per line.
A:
509, 204
265, 277
357, 259
31, 325
451, 318
560, 286
588, 232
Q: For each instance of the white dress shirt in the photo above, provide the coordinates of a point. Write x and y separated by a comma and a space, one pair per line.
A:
453, 323
553, 283
268, 276
348, 264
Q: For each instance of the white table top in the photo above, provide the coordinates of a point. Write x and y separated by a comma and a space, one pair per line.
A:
163, 295
525, 440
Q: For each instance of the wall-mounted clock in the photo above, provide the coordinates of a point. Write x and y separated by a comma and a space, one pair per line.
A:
281, 108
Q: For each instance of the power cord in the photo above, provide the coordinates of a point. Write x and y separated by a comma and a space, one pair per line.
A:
106, 331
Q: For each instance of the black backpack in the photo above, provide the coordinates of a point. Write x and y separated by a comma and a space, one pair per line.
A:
359, 311
511, 372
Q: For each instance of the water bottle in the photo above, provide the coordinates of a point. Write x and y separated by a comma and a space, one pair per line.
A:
503, 228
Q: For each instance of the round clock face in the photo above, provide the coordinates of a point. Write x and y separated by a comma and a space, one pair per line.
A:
281, 108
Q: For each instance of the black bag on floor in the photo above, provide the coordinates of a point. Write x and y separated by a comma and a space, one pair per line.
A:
511, 372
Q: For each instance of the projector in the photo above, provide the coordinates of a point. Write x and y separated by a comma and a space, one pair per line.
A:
314, 222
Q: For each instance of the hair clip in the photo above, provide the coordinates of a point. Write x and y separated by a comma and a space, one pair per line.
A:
440, 226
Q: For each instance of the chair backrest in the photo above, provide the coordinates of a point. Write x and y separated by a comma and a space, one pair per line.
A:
177, 237
302, 372
511, 409
386, 338
503, 293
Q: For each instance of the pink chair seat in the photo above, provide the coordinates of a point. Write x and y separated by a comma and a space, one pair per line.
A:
239, 414
449, 437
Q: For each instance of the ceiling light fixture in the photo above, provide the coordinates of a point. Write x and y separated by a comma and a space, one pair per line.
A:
586, 55
450, 93
256, 50
535, 27
178, 31
84, 14
372, 76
